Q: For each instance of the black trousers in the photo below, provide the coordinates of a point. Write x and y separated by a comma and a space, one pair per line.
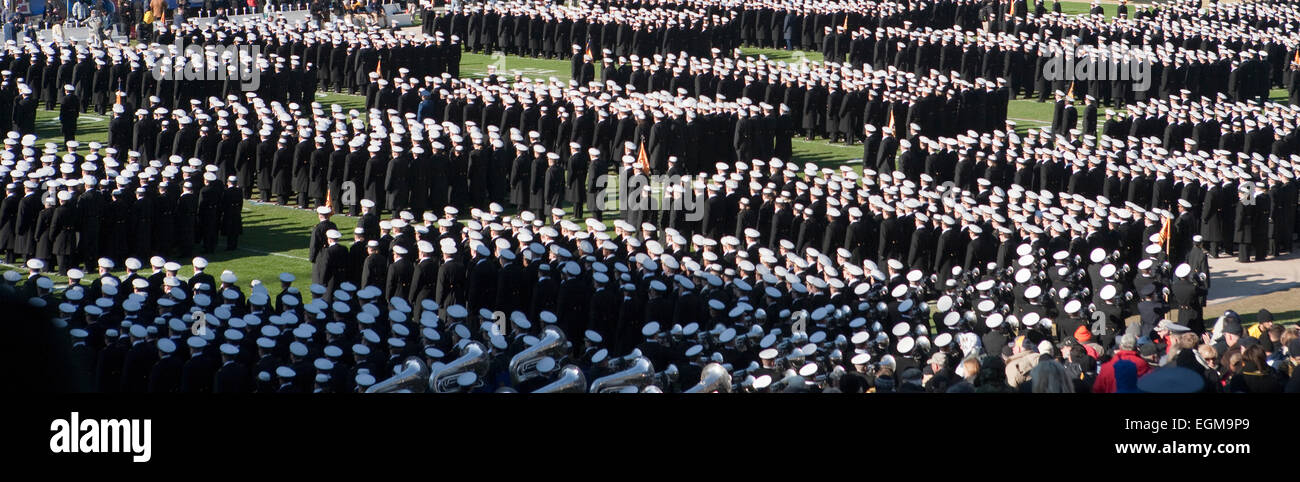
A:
90, 259
209, 241
1243, 253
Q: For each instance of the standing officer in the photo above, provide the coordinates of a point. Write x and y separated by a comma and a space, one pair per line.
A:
8, 222
232, 213
233, 376
68, 113
575, 186
140, 359
187, 220
165, 377
399, 273
451, 278
1251, 216
209, 212
554, 188
25, 221
197, 374
598, 167
63, 224
318, 239
91, 207
24, 113
329, 268
119, 128
425, 281
374, 270
397, 179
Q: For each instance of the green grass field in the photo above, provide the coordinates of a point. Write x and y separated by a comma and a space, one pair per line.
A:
1079, 8
275, 237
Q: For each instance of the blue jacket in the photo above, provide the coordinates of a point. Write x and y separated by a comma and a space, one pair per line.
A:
425, 110
789, 26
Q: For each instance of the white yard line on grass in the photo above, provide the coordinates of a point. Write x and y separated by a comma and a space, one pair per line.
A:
1017, 119
827, 144
282, 255
292, 208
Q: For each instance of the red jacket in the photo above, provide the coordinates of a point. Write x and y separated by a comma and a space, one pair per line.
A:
1106, 378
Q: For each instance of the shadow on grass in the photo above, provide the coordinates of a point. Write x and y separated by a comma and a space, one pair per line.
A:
48, 128
826, 159
280, 229
782, 54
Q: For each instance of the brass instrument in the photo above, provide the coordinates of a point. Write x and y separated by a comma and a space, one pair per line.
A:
714, 378
454, 377
571, 380
639, 374
523, 366
409, 380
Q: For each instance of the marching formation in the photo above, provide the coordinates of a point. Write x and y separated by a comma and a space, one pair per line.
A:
961, 254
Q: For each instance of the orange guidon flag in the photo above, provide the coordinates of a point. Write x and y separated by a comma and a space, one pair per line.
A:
329, 198
1013, 7
1296, 60
379, 65
1166, 232
846, 21
890, 123
641, 159
1070, 94
119, 98
589, 52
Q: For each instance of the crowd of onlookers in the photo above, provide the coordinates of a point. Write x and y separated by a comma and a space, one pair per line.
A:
1260, 358
109, 18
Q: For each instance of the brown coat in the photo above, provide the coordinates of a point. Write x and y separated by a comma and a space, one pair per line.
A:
1019, 366
159, 9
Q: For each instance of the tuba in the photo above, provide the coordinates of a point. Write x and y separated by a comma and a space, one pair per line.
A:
523, 366
473, 359
409, 380
639, 374
571, 381
714, 378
